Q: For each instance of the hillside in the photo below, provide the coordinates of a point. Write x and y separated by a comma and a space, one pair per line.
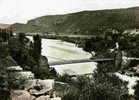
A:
85, 22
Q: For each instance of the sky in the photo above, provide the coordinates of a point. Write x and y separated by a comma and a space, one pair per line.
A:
13, 11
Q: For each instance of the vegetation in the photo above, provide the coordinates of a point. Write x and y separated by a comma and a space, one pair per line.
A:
107, 30
103, 84
19, 51
127, 42
28, 55
8, 82
137, 91
37, 47
98, 86
85, 22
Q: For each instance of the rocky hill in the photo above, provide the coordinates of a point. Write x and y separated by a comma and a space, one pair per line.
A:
85, 22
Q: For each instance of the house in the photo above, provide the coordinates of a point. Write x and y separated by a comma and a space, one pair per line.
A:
20, 72
132, 31
15, 68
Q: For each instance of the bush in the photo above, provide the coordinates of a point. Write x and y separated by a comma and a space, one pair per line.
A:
137, 91
101, 87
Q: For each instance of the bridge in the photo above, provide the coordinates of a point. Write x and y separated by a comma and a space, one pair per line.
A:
61, 35
64, 62
78, 61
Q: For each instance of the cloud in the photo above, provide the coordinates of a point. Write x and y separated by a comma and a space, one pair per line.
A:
22, 10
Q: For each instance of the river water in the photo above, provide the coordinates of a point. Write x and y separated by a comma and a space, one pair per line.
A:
57, 50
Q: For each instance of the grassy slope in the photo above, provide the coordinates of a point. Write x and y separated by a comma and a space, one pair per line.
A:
85, 22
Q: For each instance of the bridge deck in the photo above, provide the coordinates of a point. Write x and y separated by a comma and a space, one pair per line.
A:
78, 61
85, 61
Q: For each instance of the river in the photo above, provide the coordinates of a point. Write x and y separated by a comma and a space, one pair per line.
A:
58, 50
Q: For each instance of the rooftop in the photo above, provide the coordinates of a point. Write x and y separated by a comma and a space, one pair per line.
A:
4, 26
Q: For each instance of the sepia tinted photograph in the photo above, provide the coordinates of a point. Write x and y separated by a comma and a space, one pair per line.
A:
69, 49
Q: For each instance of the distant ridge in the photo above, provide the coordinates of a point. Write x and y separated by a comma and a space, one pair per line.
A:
84, 22
4, 26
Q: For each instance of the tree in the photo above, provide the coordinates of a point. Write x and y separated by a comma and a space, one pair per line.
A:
21, 38
42, 70
8, 80
37, 48
100, 87
39, 70
17, 49
137, 91
98, 45
88, 46
3, 50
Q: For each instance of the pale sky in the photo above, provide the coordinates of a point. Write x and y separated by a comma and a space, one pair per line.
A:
12, 11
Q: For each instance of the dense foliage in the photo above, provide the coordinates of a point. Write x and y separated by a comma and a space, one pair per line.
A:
137, 91
28, 55
8, 81
102, 86
127, 42
19, 51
